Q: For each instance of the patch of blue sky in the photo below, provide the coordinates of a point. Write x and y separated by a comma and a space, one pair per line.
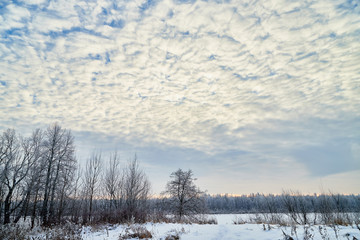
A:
107, 58
117, 23
245, 78
332, 35
184, 1
147, 5
212, 57
3, 83
94, 57
349, 6
294, 10
304, 56
35, 100
170, 14
272, 73
217, 1
14, 32
225, 68
49, 46
226, 37
3, 4
66, 32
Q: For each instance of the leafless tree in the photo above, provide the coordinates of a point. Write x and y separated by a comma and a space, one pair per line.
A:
75, 197
91, 183
59, 151
113, 183
136, 191
296, 206
185, 197
325, 209
34, 174
17, 158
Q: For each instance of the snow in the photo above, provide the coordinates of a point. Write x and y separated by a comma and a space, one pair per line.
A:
225, 229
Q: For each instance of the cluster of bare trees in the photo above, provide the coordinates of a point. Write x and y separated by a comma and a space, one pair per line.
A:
40, 179
114, 194
36, 173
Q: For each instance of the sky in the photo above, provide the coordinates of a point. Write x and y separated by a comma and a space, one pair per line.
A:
252, 96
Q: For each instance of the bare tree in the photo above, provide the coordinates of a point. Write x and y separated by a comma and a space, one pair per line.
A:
34, 144
18, 157
136, 191
91, 182
113, 181
59, 151
296, 206
75, 197
185, 196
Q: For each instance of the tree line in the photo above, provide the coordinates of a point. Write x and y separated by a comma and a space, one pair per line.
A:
257, 203
329, 208
41, 180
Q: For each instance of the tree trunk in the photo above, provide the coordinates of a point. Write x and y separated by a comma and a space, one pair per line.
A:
23, 210
52, 198
7, 205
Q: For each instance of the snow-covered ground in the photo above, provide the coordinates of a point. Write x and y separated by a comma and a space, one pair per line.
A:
225, 229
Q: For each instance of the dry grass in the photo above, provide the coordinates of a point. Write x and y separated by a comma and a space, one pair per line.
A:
66, 231
135, 231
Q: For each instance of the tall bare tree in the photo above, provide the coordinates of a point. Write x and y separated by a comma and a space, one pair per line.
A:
185, 196
17, 158
34, 144
136, 190
59, 151
92, 178
113, 181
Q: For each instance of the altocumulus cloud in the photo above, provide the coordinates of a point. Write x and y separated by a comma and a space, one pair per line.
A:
246, 84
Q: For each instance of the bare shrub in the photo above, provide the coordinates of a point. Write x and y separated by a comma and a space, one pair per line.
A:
308, 233
238, 220
203, 219
175, 234
66, 231
286, 236
12, 232
136, 231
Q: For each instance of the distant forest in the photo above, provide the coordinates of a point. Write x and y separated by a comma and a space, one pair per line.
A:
40, 180
260, 203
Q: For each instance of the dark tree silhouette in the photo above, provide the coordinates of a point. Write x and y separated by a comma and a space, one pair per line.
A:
185, 197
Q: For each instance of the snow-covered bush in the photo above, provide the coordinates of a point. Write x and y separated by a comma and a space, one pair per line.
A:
12, 232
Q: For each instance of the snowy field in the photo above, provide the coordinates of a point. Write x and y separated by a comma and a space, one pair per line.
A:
225, 229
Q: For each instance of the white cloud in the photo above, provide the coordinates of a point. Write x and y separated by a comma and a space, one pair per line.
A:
178, 71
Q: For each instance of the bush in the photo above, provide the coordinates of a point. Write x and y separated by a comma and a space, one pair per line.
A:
175, 234
204, 220
66, 231
136, 231
12, 232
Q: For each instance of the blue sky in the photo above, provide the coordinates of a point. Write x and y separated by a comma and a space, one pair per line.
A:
253, 96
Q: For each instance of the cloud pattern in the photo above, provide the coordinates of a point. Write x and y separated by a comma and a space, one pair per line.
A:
252, 83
